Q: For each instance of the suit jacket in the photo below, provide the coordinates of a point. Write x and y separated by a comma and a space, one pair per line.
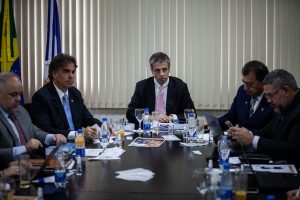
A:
239, 112
8, 138
178, 98
281, 138
47, 111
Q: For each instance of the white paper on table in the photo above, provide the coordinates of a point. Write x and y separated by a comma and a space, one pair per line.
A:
110, 154
171, 138
137, 174
93, 152
197, 152
234, 160
275, 168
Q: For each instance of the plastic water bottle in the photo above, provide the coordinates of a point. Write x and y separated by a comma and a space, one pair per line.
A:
191, 127
104, 129
146, 122
80, 147
78, 166
224, 150
226, 183
60, 173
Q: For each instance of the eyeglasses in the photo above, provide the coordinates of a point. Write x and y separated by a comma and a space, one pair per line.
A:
270, 95
249, 84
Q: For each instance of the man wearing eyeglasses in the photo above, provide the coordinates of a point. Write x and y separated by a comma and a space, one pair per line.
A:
250, 108
281, 137
167, 95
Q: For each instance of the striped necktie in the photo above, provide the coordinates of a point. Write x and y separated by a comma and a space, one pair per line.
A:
21, 134
252, 106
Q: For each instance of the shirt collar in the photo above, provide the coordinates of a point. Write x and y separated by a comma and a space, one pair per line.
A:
60, 93
164, 85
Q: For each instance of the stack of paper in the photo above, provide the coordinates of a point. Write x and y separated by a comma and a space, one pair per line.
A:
137, 174
110, 154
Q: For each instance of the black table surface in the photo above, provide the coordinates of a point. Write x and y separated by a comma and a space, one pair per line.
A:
172, 164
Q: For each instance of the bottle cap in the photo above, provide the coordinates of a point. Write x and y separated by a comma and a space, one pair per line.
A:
104, 119
79, 131
226, 165
270, 197
146, 110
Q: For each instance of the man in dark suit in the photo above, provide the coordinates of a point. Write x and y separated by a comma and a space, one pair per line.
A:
250, 108
17, 133
281, 137
58, 106
163, 93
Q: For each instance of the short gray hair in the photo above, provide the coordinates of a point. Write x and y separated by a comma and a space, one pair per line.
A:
279, 78
4, 76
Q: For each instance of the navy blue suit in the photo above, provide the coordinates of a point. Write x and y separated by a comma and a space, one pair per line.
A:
239, 112
178, 98
48, 114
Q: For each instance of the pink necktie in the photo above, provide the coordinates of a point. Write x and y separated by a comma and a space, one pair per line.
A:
160, 101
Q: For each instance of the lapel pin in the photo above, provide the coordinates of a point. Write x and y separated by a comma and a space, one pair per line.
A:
72, 100
262, 109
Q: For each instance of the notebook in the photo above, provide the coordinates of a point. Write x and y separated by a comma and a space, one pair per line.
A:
40, 172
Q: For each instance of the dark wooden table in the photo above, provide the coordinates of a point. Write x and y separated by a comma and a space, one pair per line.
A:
172, 164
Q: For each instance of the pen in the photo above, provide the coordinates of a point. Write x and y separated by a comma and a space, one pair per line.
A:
264, 167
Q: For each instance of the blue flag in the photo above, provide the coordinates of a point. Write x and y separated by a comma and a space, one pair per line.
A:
53, 46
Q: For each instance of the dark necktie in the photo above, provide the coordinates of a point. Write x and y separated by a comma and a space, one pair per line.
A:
19, 129
252, 106
68, 111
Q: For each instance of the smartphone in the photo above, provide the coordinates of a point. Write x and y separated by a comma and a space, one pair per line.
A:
228, 124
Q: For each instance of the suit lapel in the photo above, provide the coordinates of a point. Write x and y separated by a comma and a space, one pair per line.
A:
246, 108
10, 130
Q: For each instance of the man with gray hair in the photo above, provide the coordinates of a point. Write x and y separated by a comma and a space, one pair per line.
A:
17, 133
281, 137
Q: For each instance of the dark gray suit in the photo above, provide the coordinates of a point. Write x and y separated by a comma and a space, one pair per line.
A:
8, 138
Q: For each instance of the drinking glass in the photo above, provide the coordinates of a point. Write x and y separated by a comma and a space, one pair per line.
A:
200, 128
202, 181
186, 113
139, 117
155, 121
240, 184
24, 170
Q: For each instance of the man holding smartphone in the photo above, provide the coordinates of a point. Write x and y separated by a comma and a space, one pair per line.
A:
250, 108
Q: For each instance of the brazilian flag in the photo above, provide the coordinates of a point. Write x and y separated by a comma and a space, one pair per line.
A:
9, 51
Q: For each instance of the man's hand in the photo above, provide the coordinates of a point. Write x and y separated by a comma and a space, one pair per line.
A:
242, 135
165, 118
59, 138
90, 133
291, 195
33, 144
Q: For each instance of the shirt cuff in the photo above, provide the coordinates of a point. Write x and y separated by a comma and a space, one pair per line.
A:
49, 139
72, 135
255, 142
18, 151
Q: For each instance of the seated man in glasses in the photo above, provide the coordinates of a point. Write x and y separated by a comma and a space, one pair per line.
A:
281, 137
165, 94
250, 108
